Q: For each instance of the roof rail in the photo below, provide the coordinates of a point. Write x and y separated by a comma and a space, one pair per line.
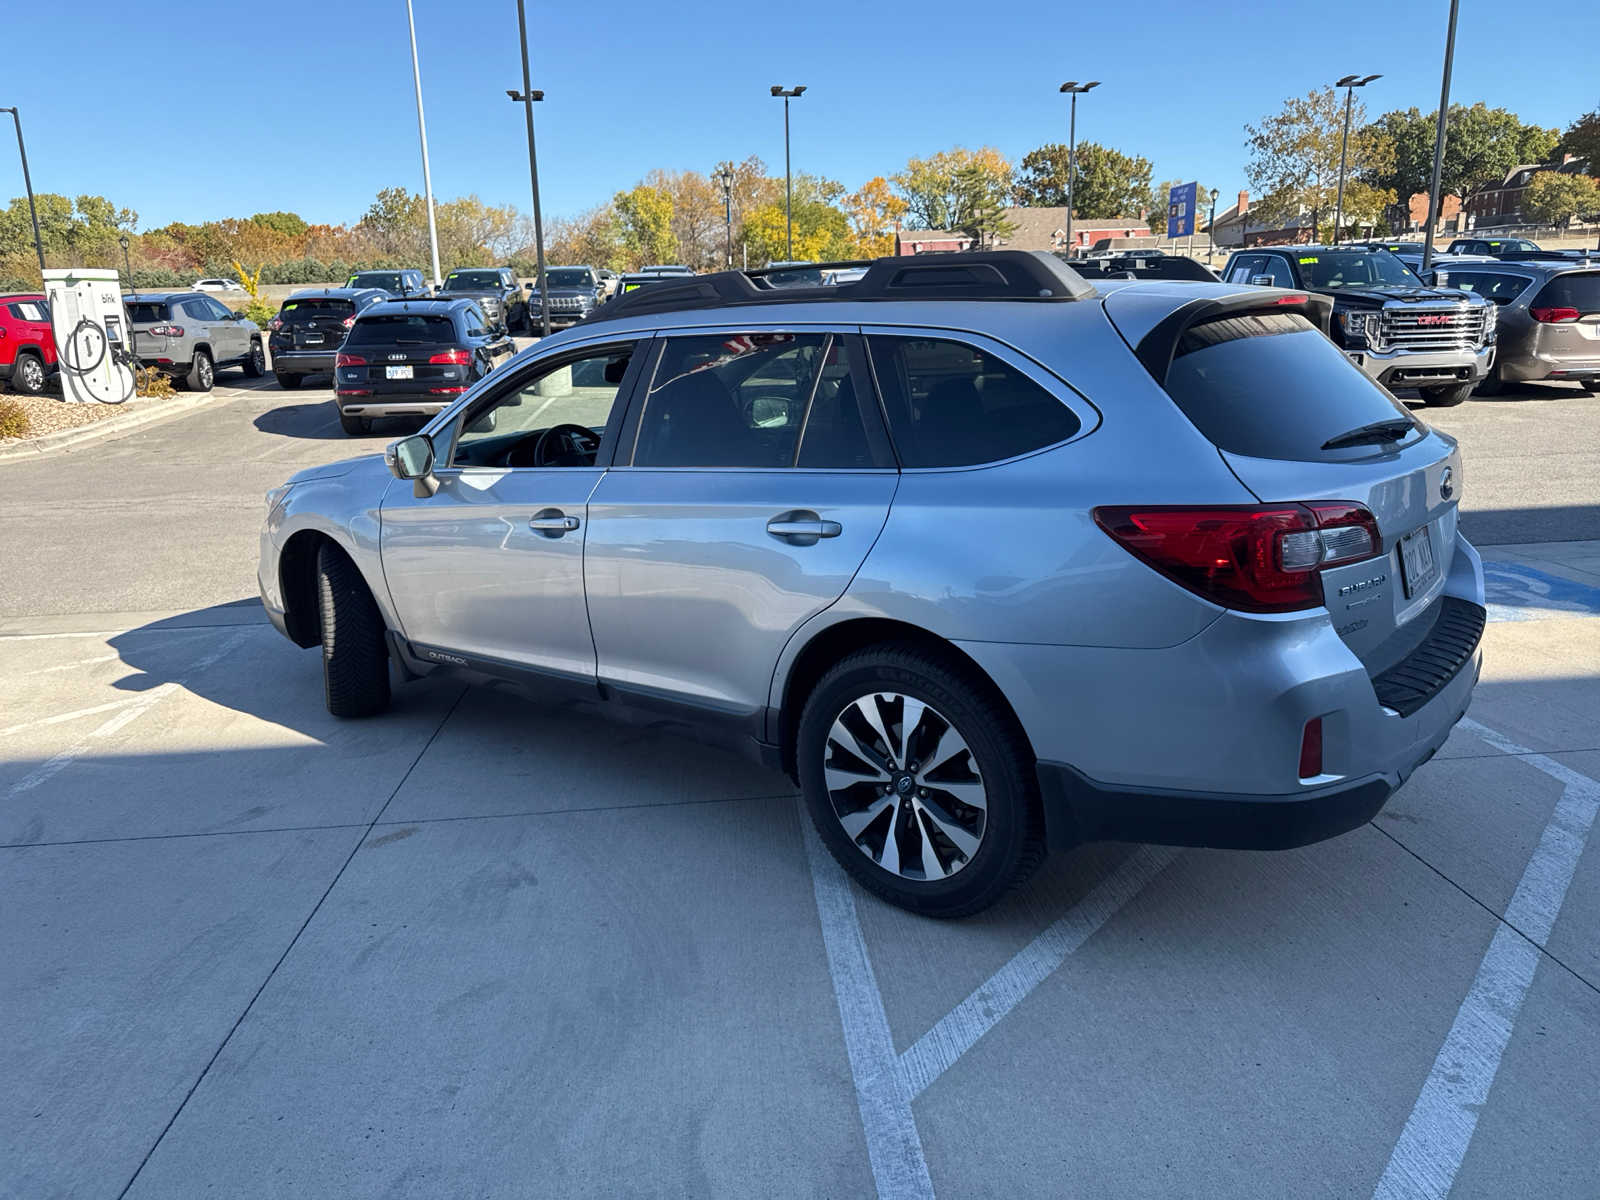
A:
1133, 265
980, 275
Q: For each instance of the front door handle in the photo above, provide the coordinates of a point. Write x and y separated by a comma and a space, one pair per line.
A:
552, 522
802, 527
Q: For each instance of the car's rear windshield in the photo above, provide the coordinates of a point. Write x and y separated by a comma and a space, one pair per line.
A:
401, 329
569, 277
1270, 385
458, 281
1579, 290
387, 280
305, 310
1344, 268
142, 311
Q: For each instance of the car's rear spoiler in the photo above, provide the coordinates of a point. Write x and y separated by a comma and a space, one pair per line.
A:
1157, 348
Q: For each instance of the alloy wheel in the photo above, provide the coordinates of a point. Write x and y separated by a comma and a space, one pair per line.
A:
205, 374
905, 786
32, 374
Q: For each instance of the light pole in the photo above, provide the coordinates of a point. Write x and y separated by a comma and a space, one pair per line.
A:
1211, 229
422, 134
1349, 83
124, 243
527, 97
788, 94
725, 178
1438, 137
27, 183
1074, 89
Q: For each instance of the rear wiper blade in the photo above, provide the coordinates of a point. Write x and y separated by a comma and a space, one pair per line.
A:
1371, 435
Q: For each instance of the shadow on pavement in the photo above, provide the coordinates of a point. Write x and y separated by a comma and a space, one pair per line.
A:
318, 420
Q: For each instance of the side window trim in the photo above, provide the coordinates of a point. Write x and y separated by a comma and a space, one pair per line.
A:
1079, 405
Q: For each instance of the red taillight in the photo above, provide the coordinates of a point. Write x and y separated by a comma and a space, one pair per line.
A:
458, 358
1295, 299
1554, 316
275, 324
348, 360
1311, 749
1261, 559
167, 330
349, 321
353, 392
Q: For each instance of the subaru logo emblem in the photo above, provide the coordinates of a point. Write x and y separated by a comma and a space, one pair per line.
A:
1447, 484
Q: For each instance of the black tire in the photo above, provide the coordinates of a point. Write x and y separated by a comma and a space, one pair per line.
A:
355, 426
202, 374
1448, 396
288, 382
1491, 384
255, 363
1592, 386
28, 374
1011, 836
355, 660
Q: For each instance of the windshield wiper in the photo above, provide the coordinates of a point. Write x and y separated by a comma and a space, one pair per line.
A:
1374, 434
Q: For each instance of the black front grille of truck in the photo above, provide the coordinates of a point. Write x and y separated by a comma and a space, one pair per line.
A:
1419, 676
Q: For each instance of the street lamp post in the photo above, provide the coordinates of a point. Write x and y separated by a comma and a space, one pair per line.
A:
527, 98
788, 94
1211, 229
1438, 137
1349, 83
725, 178
1073, 88
126, 262
27, 183
422, 134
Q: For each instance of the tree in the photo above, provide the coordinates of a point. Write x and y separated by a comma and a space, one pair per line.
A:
821, 232
875, 213
1482, 145
1553, 198
1110, 184
644, 215
1295, 155
592, 238
287, 223
941, 191
1582, 139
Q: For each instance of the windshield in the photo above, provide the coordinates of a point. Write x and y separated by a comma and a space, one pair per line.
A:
389, 281
472, 281
402, 329
1504, 244
1335, 269
569, 277
796, 277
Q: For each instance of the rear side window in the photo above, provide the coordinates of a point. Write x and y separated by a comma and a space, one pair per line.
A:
1579, 290
30, 310
296, 311
146, 311
952, 405
1502, 289
401, 329
1269, 385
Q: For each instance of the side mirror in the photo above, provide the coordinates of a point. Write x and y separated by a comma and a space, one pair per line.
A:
412, 458
1261, 281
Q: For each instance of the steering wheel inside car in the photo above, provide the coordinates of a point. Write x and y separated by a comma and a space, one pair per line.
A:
564, 445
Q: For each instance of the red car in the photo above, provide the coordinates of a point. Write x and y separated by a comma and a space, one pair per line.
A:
27, 349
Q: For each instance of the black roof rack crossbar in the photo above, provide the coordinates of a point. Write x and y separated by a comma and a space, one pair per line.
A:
980, 275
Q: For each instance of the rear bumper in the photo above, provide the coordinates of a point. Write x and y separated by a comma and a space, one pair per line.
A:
1427, 368
1532, 367
303, 362
391, 405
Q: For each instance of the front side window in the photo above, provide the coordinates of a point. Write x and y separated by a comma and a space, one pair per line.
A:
553, 417
953, 405
1245, 268
730, 400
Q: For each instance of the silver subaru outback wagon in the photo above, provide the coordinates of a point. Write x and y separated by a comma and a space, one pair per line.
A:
991, 561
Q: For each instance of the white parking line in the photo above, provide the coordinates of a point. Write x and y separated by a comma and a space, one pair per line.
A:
1434, 1142
71, 666
62, 718
959, 1030
141, 705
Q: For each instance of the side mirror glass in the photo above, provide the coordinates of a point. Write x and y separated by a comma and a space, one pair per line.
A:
1261, 280
412, 458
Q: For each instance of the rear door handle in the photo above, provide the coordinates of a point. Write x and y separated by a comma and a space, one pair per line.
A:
552, 522
802, 527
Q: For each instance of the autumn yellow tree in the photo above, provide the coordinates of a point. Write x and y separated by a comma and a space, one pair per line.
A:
875, 213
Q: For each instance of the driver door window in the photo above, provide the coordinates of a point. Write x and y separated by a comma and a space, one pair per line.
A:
555, 416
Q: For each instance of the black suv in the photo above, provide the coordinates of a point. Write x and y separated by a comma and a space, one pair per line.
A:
408, 281
496, 289
574, 293
1393, 326
412, 358
310, 328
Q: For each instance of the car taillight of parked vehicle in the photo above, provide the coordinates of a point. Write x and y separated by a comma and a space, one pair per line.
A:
1255, 559
172, 331
1554, 316
349, 321
348, 360
459, 358
275, 324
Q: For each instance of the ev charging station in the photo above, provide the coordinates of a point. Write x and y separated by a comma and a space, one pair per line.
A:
92, 335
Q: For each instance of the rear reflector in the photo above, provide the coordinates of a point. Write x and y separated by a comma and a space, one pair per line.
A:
1311, 749
1254, 559
353, 392
446, 391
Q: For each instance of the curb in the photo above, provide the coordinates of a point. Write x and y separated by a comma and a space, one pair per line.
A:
45, 444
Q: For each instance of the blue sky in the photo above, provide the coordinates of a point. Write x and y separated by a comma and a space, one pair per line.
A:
308, 106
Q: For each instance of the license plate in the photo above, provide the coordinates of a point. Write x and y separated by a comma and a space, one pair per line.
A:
312, 339
1417, 566
397, 372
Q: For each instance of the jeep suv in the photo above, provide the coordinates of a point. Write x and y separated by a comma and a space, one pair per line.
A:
190, 336
988, 559
496, 291
574, 293
1392, 325
27, 347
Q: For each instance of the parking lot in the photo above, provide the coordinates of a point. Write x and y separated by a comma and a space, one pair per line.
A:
483, 946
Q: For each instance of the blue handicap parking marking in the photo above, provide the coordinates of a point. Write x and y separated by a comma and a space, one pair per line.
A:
1519, 593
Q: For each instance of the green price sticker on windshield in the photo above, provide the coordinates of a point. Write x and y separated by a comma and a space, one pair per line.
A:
1311, 259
